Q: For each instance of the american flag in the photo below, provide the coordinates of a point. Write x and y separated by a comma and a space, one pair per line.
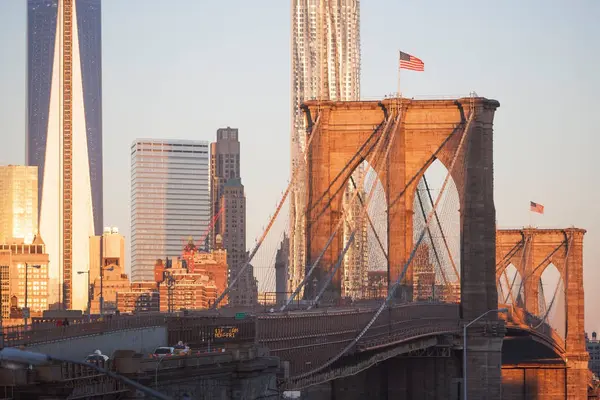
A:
536, 208
411, 62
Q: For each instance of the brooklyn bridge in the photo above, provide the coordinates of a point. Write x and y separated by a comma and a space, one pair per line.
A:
466, 310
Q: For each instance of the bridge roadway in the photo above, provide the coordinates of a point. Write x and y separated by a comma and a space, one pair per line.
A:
306, 339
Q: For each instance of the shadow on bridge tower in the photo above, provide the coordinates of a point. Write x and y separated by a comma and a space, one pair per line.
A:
345, 136
531, 251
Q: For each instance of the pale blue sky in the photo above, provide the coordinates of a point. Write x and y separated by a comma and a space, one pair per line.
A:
186, 69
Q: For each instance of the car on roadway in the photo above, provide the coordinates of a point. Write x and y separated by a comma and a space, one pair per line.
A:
181, 349
163, 351
97, 358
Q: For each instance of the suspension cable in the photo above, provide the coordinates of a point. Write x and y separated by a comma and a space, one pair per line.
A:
269, 225
435, 252
569, 245
336, 229
512, 284
392, 290
370, 222
372, 136
454, 268
424, 167
364, 209
540, 265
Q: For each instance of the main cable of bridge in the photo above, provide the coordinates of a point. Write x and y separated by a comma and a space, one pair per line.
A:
391, 292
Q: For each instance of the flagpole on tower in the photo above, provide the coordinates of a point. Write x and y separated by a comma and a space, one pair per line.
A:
399, 93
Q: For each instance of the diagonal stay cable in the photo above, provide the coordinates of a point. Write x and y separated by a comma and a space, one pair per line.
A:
269, 225
512, 284
337, 191
343, 174
363, 210
336, 229
393, 289
556, 289
435, 252
370, 222
540, 265
437, 219
427, 163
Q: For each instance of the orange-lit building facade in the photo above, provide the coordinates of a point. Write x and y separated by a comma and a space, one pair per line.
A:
142, 297
192, 281
107, 270
16, 259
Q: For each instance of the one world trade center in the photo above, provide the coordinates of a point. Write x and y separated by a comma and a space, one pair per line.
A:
64, 135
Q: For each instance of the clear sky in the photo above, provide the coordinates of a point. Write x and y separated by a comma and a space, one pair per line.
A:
184, 69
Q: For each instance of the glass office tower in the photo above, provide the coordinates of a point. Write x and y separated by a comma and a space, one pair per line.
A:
170, 200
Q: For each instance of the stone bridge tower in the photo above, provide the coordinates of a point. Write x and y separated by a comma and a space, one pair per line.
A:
531, 251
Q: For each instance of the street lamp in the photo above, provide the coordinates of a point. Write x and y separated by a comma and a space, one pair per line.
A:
26, 309
89, 290
499, 310
29, 357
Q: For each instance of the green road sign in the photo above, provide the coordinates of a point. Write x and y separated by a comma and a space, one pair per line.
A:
240, 315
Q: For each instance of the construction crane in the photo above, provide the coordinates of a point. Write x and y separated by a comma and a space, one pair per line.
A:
210, 227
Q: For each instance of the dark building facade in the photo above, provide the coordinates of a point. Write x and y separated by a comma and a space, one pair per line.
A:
229, 206
224, 165
42, 20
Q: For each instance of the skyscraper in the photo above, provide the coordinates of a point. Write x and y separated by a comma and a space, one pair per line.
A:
64, 132
224, 165
18, 203
326, 66
233, 226
169, 200
229, 206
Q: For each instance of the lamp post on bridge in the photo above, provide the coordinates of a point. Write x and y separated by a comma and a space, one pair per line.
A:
499, 310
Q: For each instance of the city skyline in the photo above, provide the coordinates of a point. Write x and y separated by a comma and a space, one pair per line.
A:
453, 68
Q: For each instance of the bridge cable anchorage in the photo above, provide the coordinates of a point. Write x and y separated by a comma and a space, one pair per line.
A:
548, 308
307, 275
393, 289
454, 268
363, 210
269, 225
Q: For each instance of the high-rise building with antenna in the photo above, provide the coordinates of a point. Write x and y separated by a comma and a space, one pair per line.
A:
325, 66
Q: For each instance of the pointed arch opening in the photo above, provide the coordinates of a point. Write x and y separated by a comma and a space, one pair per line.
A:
365, 261
551, 299
510, 287
436, 266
